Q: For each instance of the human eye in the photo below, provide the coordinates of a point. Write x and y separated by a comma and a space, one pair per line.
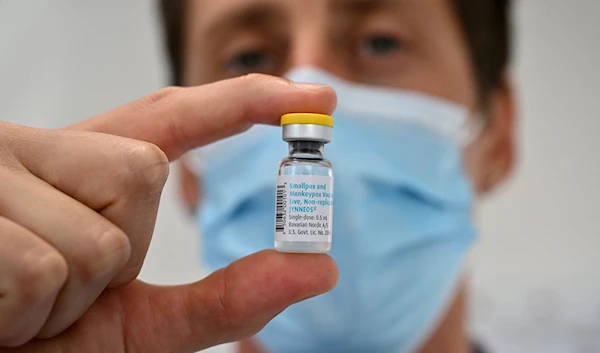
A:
377, 45
251, 61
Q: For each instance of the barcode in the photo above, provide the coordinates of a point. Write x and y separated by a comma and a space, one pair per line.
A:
280, 212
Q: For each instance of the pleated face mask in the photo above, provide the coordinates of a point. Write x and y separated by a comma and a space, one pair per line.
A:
401, 226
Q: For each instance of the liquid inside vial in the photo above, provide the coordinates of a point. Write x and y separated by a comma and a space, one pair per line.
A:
304, 200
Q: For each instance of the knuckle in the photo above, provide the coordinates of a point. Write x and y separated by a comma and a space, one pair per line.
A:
9, 162
226, 313
148, 167
108, 252
223, 312
256, 79
40, 275
164, 93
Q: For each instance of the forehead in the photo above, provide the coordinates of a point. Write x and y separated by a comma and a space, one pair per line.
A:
209, 14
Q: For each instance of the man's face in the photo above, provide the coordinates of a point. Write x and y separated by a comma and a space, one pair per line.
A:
411, 44
414, 44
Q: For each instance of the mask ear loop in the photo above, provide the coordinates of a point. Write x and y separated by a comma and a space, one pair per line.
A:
472, 129
469, 132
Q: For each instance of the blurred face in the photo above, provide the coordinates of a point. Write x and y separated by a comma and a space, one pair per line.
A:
410, 44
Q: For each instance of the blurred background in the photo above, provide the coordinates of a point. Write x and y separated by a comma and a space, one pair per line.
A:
536, 270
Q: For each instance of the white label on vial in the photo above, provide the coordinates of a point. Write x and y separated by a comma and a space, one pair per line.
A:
304, 208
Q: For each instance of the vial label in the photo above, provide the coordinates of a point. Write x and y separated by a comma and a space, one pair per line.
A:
304, 208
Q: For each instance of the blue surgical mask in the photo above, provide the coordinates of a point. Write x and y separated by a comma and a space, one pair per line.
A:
402, 217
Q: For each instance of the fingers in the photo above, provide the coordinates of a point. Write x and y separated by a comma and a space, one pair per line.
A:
123, 178
231, 304
120, 178
94, 249
180, 119
31, 275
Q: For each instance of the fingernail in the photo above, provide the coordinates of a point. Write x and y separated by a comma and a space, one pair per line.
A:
307, 86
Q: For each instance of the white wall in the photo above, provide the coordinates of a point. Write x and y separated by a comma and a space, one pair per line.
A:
536, 275
537, 269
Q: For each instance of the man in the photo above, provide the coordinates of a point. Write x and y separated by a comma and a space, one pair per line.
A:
434, 54
97, 185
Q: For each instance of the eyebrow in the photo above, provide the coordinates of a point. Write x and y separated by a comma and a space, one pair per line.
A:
253, 15
366, 6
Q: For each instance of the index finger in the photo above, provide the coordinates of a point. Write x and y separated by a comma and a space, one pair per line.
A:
179, 119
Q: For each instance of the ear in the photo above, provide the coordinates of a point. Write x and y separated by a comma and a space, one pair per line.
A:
497, 144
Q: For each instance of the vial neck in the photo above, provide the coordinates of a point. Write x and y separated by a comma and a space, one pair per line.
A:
306, 149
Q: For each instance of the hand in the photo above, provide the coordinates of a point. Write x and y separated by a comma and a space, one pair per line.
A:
77, 211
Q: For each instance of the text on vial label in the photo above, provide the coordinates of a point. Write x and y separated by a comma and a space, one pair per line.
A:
304, 208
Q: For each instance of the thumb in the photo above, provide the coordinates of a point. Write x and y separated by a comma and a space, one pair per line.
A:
231, 304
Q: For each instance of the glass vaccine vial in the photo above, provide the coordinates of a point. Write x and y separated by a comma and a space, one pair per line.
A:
304, 201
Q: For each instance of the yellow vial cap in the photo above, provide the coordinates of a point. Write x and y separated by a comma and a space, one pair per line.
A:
306, 118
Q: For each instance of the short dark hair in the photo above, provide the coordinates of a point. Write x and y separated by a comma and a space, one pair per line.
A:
487, 28
486, 25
